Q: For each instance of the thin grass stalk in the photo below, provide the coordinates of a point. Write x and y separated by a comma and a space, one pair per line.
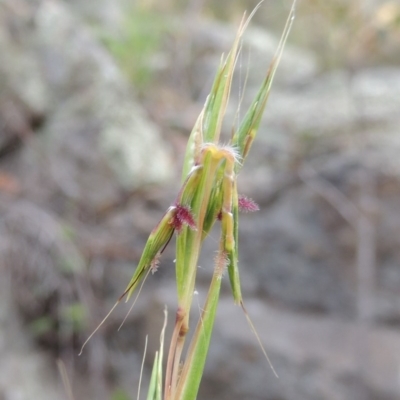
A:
192, 371
209, 193
188, 249
189, 242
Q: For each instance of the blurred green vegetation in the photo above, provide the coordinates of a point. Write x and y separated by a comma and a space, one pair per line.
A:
75, 315
120, 394
135, 49
41, 326
342, 33
72, 315
352, 34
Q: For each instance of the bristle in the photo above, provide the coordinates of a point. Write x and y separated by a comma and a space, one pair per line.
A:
183, 216
221, 262
155, 264
247, 205
233, 152
221, 151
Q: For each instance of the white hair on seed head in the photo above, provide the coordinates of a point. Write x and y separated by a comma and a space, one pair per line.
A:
228, 149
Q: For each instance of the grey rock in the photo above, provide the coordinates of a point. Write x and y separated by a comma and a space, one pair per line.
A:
24, 370
38, 252
20, 71
337, 113
303, 248
315, 357
337, 101
23, 90
293, 258
108, 14
95, 140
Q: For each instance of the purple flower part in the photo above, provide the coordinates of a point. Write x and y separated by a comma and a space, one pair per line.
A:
177, 224
247, 205
183, 216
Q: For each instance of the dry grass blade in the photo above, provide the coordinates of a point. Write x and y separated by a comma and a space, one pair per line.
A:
64, 376
142, 366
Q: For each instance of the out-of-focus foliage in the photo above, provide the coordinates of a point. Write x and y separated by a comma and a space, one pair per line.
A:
41, 326
75, 314
120, 394
136, 48
341, 32
349, 32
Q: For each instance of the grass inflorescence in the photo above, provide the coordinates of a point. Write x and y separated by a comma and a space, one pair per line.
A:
208, 195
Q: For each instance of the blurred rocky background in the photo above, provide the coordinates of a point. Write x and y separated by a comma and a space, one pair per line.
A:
97, 98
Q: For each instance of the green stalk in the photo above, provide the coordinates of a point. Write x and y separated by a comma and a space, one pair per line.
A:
197, 353
188, 249
155, 386
208, 193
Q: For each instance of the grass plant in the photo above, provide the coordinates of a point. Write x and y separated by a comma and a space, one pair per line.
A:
208, 195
